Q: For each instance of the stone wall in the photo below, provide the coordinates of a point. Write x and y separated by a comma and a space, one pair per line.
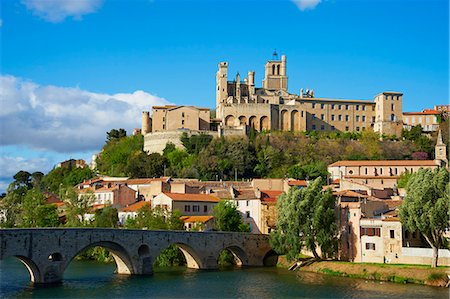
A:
156, 142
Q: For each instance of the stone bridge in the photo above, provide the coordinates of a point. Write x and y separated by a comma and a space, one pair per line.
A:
47, 252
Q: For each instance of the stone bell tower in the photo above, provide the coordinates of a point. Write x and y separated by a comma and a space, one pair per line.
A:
440, 151
275, 74
221, 88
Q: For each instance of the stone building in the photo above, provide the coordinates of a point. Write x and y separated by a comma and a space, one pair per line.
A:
428, 119
272, 107
240, 105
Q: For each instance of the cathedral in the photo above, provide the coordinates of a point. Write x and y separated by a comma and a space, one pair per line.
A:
272, 107
240, 105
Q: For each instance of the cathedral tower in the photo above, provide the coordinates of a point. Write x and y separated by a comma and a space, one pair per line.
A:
221, 88
275, 75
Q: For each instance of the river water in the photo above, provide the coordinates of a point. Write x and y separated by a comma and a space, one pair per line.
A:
85, 279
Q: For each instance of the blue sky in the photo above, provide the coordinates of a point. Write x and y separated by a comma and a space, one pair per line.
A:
71, 69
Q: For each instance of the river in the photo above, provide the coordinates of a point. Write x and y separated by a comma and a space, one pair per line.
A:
86, 279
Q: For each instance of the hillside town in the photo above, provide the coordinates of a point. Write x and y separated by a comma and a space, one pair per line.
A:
367, 193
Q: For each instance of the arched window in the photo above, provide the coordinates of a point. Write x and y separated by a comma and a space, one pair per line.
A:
278, 69
273, 69
392, 117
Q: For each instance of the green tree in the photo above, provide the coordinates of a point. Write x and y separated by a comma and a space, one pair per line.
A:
47, 216
171, 256
412, 134
76, 206
30, 208
36, 180
62, 177
115, 155
106, 217
195, 143
306, 220
228, 218
141, 165
11, 206
426, 206
115, 134
156, 218
309, 171
403, 179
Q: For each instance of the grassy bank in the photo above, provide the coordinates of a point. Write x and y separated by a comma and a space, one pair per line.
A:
419, 274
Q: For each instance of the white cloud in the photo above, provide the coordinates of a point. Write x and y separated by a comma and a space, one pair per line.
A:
57, 10
11, 165
306, 4
65, 119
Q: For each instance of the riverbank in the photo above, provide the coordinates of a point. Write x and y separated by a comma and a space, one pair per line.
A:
418, 274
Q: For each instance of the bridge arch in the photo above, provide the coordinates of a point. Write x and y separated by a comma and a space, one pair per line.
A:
270, 258
193, 259
31, 266
239, 254
120, 254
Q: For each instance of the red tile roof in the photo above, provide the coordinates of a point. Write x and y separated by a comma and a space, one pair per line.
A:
191, 219
135, 206
384, 163
192, 197
143, 181
424, 112
270, 196
298, 183
349, 193
245, 194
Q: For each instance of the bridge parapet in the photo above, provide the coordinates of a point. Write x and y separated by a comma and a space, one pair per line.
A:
47, 252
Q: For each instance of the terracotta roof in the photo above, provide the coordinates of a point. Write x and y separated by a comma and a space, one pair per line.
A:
222, 194
192, 197
384, 163
51, 197
202, 219
144, 181
425, 112
298, 183
336, 181
270, 196
98, 207
135, 206
349, 193
245, 194
91, 181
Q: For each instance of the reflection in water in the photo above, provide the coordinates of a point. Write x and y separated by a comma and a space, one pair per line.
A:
93, 280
